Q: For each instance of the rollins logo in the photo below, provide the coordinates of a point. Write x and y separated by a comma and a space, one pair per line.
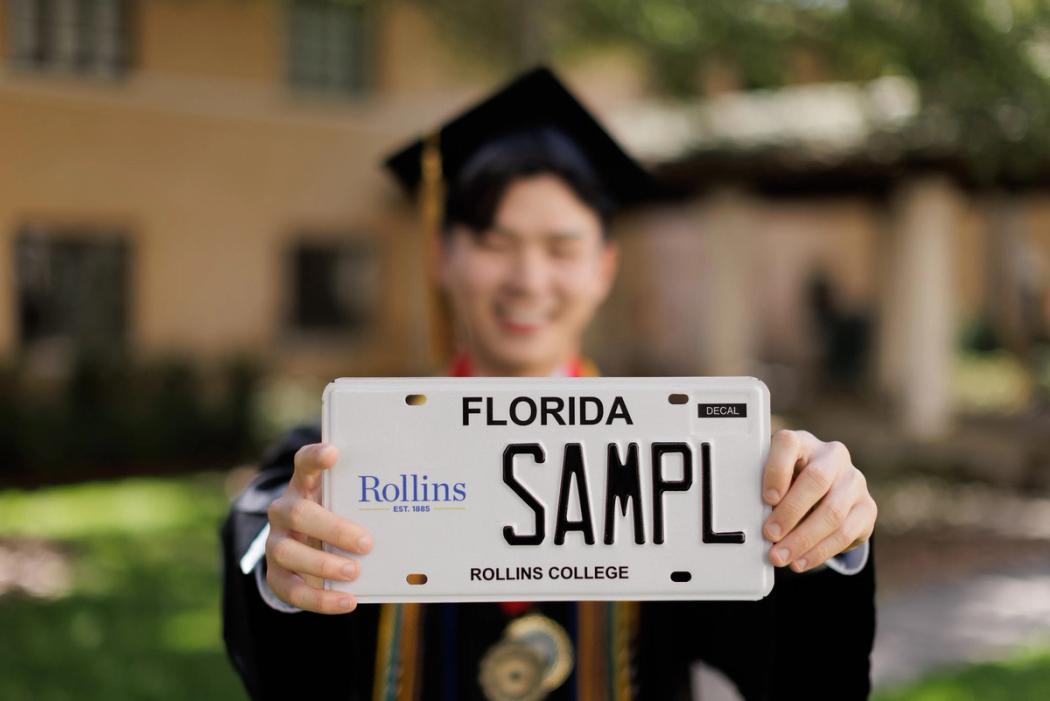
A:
410, 487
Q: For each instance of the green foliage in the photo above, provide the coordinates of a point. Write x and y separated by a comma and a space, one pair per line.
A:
115, 415
1042, 372
985, 89
680, 36
982, 66
141, 620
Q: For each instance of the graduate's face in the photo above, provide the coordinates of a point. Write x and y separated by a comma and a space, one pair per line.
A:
524, 291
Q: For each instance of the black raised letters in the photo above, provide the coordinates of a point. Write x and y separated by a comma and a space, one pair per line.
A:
563, 411
551, 407
596, 406
660, 485
573, 465
708, 533
619, 411
536, 451
468, 410
489, 419
623, 484
622, 487
529, 417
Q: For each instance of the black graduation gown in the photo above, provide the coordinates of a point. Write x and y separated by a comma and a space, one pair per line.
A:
811, 638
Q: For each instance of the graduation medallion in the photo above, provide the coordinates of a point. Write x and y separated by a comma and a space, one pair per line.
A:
511, 671
533, 658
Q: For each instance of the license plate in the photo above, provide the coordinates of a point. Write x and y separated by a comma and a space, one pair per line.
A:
492, 489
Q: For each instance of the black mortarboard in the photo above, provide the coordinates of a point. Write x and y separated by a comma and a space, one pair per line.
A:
536, 99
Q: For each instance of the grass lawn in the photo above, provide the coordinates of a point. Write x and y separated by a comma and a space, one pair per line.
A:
141, 617
1025, 677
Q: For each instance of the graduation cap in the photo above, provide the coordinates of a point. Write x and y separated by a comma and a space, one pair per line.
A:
536, 100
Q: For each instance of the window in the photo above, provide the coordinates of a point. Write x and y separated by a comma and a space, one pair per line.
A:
72, 288
328, 46
88, 37
335, 287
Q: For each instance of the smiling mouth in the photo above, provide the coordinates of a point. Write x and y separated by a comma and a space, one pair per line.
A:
521, 322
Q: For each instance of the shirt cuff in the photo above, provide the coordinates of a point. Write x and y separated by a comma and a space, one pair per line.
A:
851, 561
266, 592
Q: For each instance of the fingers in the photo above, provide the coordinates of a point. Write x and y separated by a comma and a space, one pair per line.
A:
821, 501
302, 559
813, 482
294, 513
825, 520
310, 461
856, 528
786, 449
293, 590
291, 562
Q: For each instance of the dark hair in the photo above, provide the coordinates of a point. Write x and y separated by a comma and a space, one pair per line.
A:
475, 194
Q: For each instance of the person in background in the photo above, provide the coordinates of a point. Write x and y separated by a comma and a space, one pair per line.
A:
525, 260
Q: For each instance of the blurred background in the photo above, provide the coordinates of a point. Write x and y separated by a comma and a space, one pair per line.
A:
195, 236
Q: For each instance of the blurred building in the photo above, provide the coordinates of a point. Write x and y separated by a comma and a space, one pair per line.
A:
808, 247
200, 177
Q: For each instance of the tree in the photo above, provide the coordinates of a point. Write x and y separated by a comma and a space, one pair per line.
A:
982, 67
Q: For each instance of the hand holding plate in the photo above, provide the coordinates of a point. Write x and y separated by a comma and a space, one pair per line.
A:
821, 502
296, 566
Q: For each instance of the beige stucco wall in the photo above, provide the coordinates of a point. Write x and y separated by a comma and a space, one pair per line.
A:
1038, 226
227, 39
205, 158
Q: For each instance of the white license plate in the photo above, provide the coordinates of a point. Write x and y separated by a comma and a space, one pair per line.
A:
488, 489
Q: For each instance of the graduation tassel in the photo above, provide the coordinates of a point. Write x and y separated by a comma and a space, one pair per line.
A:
431, 207
397, 653
410, 652
384, 685
623, 629
592, 650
